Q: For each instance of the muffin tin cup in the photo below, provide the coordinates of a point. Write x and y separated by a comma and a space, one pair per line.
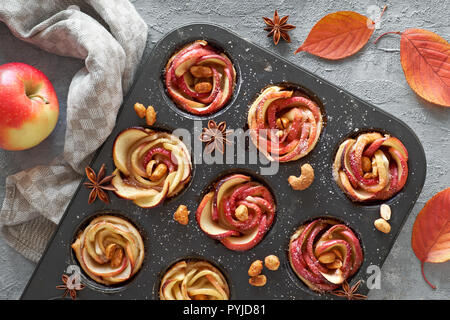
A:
167, 241
294, 277
85, 278
192, 257
371, 203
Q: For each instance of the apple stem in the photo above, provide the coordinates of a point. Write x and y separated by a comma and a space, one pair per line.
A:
40, 97
376, 40
425, 278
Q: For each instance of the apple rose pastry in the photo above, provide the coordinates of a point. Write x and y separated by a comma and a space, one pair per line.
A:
151, 166
285, 124
194, 280
200, 79
371, 167
110, 250
324, 253
238, 212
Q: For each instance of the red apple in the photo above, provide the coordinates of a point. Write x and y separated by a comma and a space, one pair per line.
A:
28, 106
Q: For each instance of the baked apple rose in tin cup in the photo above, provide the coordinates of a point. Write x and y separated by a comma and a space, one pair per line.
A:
200, 79
238, 212
371, 167
284, 124
194, 280
150, 166
110, 250
324, 253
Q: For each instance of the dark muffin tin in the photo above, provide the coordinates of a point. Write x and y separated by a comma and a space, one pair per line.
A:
166, 241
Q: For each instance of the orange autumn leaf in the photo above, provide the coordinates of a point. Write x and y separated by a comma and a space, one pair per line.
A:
338, 35
425, 58
430, 239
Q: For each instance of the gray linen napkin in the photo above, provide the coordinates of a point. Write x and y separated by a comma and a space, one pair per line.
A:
111, 41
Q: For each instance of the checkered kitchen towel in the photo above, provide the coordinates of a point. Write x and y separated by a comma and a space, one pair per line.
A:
110, 36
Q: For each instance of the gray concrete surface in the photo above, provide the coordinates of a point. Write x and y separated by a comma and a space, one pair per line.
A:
374, 74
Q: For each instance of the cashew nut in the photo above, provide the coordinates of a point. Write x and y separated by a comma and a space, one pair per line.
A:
182, 215
305, 179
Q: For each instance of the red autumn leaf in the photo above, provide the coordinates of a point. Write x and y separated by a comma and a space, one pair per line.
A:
338, 35
425, 58
431, 231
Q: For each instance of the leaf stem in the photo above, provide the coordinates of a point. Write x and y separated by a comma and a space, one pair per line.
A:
376, 40
381, 14
424, 277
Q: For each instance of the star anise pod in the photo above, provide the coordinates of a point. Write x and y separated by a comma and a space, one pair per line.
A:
99, 184
278, 27
215, 136
349, 292
70, 288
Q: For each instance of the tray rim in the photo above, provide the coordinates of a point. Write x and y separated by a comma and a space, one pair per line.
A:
139, 74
